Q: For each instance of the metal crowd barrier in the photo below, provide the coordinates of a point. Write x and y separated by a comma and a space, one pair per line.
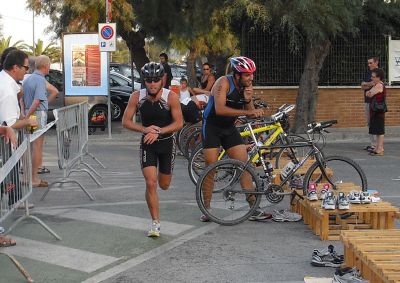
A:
72, 145
16, 186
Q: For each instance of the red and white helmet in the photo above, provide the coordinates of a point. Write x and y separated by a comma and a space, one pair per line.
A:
243, 64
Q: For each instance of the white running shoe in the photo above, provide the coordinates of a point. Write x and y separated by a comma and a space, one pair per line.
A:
343, 202
324, 191
312, 192
329, 202
354, 197
365, 197
155, 229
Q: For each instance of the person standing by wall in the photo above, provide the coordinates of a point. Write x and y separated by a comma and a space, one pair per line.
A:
366, 85
377, 94
167, 78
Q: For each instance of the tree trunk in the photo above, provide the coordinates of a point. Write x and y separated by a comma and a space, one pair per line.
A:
191, 68
308, 88
135, 42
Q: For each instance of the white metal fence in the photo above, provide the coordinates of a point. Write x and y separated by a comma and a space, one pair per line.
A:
72, 146
16, 186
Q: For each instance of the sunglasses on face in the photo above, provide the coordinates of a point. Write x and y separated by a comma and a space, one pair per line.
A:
206, 69
150, 80
25, 67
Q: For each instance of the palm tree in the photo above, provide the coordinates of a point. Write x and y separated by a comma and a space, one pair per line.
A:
51, 50
6, 42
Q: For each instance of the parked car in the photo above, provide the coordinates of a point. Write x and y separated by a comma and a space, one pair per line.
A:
120, 91
125, 70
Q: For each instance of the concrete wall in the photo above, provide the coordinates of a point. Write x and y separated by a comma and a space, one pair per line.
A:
345, 104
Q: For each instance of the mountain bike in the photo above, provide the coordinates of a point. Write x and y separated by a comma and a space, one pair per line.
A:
269, 131
220, 196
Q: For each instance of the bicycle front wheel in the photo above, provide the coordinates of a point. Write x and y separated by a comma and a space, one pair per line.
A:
196, 164
340, 172
225, 192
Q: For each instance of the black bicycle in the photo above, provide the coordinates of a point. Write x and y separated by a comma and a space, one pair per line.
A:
221, 192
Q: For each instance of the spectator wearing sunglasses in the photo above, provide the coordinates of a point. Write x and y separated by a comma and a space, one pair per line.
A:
161, 116
206, 82
14, 66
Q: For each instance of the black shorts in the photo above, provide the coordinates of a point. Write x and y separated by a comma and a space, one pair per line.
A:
215, 136
161, 153
191, 114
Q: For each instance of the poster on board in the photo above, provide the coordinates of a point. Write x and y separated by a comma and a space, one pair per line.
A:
85, 67
394, 61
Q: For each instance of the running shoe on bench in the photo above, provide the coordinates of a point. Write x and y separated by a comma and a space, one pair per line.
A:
329, 201
354, 197
312, 192
343, 202
365, 198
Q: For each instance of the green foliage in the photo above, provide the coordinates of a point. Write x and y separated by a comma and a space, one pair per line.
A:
382, 15
122, 54
6, 42
51, 50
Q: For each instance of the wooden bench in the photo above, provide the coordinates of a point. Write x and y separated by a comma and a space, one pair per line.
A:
375, 253
380, 215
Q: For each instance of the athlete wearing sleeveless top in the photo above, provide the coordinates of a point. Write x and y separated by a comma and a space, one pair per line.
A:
231, 96
161, 116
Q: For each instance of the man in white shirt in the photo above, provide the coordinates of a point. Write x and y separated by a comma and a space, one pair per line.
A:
14, 68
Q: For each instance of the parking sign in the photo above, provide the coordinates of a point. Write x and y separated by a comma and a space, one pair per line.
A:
107, 37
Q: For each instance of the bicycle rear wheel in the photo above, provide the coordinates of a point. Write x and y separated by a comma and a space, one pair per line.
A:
341, 171
220, 196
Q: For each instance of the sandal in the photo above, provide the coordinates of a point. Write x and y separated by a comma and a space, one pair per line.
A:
6, 242
42, 184
369, 148
43, 170
374, 153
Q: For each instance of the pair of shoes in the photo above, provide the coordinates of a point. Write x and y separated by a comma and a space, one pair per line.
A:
332, 202
6, 242
312, 192
356, 197
204, 218
155, 229
23, 206
43, 170
374, 153
348, 275
259, 215
42, 184
326, 257
285, 216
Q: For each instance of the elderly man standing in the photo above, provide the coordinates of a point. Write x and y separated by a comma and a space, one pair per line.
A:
36, 103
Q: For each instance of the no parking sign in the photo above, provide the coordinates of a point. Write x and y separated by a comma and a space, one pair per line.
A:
107, 37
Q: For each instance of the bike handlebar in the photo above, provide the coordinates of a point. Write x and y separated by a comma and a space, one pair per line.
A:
320, 126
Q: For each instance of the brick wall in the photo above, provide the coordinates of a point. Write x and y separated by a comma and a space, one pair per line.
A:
343, 104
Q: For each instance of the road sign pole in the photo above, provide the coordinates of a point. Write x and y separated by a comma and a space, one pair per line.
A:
108, 11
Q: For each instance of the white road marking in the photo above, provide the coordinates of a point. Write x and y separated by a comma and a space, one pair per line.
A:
118, 220
66, 257
151, 254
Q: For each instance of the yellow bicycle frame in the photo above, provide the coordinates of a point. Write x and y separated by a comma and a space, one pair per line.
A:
278, 131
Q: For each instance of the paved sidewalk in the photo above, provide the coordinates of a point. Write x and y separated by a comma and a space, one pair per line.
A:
104, 240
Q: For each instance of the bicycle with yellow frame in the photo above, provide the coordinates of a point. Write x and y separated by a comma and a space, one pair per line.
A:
269, 132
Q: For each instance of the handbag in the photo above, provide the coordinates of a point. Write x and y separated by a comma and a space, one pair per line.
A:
379, 107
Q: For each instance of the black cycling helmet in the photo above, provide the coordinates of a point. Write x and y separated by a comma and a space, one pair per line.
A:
152, 70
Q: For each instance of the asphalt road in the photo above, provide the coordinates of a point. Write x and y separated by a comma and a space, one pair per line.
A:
104, 240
